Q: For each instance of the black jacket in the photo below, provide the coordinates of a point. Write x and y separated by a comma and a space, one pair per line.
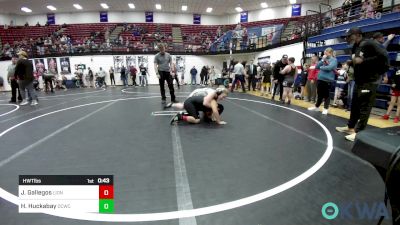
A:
254, 70
373, 55
279, 65
24, 70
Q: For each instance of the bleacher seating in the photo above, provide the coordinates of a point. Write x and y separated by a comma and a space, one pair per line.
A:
79, 32
13, 34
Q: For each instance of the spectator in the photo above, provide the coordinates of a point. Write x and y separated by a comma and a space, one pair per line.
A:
12, 81
112, 78
124, 77
278, 78
340, 83
395, 98
311, 85
193, 73
102, 77
24, 74
91, 77
325, 77
369, 61
239, 72
253, 41
38, 24
133, 72
143, 75
266, 80
251, 74
304, 77
380, 38
203, 74
350, 84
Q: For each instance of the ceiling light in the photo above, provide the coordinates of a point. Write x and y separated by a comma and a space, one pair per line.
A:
209, 10
104, 5
77, 6
264, 5
25, 9
158, 6
292, 1
184, 7
131, 5
238, 9
52, 8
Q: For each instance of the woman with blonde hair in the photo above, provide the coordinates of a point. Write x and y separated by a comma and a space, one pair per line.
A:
326, 76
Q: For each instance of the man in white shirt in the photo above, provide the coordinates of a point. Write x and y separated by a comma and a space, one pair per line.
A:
239, 72
102, 77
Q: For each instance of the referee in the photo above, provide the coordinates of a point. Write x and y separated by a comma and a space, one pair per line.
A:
162, 66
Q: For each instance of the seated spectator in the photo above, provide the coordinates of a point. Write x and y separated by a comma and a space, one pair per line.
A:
26, 24
38, 24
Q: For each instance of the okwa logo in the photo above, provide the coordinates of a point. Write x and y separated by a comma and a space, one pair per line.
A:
355, 211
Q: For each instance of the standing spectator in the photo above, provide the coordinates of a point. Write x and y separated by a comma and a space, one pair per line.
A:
162, 65
124, 77
174, 74
239, 72
395, 98
102, 77
380, 38
290, 75
278, 78
207, 76
304, 76
311, 85
13, 82
325, 77
193, 73
340, 83
133, 72
24, 74
143, 75
213, 77
350, 84
251, 72
91, 77
253, 41
203, 74
266, 80
112, 78
48, 77
369, 61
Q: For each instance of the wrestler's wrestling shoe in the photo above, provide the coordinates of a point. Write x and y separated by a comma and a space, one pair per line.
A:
169, 105
176, 118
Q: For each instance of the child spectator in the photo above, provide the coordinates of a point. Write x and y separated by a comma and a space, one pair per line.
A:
340, 83
266, 80
311, 84
395, 98
304, 77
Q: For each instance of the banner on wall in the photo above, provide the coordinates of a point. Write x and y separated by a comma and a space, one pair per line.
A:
296, 10
103, 17
118, 63
65, 65
39, 66
244, 17
196, 19
149, 17
143, 60
51, 18
130, 61
52, 65
264, 60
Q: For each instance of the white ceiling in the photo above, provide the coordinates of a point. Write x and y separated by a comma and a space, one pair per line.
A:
220, 7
